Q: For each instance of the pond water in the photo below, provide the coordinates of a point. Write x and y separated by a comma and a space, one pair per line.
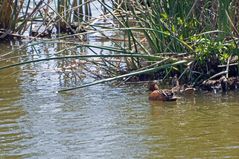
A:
103, 121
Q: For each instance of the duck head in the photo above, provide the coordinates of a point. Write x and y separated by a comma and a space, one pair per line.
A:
175, 82
153, 85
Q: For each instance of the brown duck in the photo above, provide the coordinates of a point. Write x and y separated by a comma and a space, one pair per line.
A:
184, 89
160, 94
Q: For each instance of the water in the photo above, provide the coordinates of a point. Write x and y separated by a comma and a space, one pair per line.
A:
110, 122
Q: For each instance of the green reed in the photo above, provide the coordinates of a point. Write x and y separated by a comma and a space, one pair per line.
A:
191, 35
201, 29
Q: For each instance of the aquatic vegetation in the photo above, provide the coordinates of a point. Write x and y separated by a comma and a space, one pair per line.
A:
204, 32
40, 18
197, 40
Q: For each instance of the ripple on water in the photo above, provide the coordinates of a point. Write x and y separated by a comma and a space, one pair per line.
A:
105, 122
11, 134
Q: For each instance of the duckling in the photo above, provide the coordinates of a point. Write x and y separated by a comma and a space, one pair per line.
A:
188, 90
184, 89
224, 83
176, 86
160, 94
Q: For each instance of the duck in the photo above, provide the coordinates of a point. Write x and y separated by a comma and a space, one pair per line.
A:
182, 89
188, 89
160, 94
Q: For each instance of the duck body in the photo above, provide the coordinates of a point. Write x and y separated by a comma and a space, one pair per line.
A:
160, 94
187, 90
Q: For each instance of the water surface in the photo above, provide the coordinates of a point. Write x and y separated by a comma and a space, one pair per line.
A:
106, 121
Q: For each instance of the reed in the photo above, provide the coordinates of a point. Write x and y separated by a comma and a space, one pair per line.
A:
201, 29
21, 16
198, 34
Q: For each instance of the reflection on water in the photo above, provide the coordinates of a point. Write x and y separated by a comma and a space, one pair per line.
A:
107, 122
11, 133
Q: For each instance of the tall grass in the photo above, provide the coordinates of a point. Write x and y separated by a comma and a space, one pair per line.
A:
24, 16
191, 37
206, 31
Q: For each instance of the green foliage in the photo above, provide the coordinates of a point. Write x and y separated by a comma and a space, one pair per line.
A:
179, 20
204, 30
152, 28
205, 47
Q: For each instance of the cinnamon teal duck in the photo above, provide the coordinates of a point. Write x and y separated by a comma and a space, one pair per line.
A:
160, 94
